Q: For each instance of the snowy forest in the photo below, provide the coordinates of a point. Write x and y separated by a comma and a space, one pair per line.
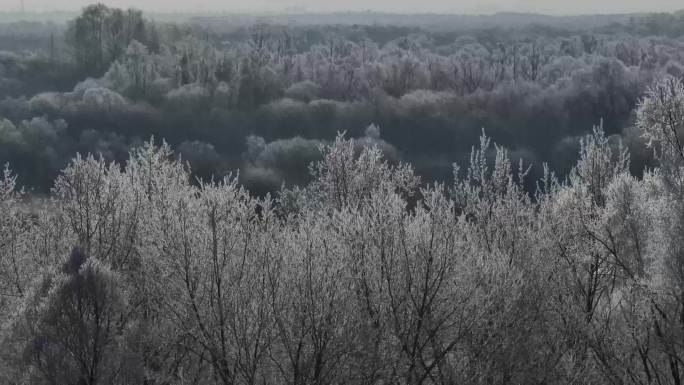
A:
253, 202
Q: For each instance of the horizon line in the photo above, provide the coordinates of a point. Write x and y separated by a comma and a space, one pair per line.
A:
304, 12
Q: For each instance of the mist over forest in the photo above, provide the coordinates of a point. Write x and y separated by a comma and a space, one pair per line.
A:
343, 198
228, 95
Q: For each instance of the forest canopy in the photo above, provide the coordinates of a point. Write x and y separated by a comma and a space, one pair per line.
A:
437, 201
110, 79
132, 274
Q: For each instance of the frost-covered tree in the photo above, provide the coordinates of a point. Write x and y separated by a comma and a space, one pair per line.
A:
660, 117
73, 327
14, 226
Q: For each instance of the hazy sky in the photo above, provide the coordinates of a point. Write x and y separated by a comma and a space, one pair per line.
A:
404, 6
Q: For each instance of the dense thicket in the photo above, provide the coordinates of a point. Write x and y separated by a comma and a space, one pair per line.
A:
262, 98
132, 274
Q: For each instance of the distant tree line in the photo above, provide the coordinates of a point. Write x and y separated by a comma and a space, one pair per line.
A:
111, 79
